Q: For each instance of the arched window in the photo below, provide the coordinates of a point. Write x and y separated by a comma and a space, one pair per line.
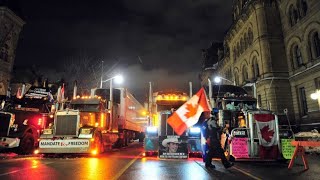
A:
244, 73
303, 7
297, 56
229, 74
236, 78
250, 36
4, 55
245, 41
255, 68
242, 45
293, 15
238, 50
316, 45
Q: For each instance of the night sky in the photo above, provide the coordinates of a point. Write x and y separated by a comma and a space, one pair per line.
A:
146, 40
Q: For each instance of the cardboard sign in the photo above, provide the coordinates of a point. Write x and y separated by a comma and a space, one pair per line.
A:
287, 148
239, 147
72, 143
173, 147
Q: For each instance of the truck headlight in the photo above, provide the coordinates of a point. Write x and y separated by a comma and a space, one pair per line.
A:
85, 131
48, 131
152, 131
195, 130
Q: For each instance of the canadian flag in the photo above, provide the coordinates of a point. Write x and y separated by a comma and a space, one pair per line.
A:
266, 126
59, 94
188, 114
267, 134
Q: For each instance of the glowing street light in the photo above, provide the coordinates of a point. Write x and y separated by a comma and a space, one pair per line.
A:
217, 80
315, 95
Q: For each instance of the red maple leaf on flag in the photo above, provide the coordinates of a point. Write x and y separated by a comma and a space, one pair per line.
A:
266, 133
192, 110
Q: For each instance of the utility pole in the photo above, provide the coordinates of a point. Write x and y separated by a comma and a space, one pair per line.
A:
150, 103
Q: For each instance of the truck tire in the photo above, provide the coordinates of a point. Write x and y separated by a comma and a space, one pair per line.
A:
26, 145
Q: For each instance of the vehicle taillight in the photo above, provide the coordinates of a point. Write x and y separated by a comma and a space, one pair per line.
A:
39, 121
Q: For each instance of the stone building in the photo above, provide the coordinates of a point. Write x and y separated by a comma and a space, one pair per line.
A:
301, 31
273, 47
10, 27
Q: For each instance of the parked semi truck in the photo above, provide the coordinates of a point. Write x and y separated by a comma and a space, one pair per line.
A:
164, 104
23, 119
91, 124
255, 133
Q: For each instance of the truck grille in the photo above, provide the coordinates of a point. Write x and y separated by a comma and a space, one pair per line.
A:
66, 125
4, 124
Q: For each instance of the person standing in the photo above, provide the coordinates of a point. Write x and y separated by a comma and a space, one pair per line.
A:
212, 133
225, 137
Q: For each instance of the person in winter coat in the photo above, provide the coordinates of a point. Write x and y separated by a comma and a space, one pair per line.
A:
212, 133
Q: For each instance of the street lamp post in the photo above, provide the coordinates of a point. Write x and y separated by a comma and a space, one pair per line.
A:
118, 79
210, 93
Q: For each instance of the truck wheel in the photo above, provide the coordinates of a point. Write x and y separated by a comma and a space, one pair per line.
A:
26, 145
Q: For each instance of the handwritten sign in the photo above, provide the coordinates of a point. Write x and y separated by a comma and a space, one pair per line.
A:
287, 148
239, 147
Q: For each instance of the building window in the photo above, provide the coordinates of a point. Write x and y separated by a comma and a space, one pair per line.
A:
229, 74
298, 56
242, 45
317, 83
316, 44
255, 68
236, 78
4, 54
245, 41
293, 15
245, 74
250, 36
303, 7
259, 101
303, 101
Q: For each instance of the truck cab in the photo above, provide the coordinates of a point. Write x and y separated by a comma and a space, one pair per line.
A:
29, 115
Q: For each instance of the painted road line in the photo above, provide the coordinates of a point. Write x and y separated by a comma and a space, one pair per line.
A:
126, 167
246, 173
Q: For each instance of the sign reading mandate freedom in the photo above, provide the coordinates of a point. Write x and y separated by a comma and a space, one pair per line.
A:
72, 143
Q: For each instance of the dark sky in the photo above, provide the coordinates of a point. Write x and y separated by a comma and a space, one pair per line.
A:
167, 35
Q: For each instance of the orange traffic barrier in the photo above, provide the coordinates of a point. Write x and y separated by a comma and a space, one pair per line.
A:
299, 150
